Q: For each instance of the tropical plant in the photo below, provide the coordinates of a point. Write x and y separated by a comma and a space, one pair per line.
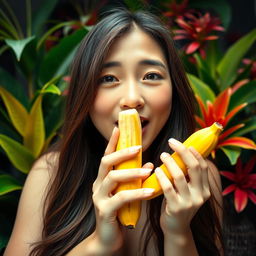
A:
32, 94
30, 107
223, 80
243, 183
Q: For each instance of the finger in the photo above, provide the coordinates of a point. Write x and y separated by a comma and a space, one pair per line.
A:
115, 177
126, 196
110, 160
187, 157
203, 179
177, 174
111, 147
197, 177
147, 166
166, 185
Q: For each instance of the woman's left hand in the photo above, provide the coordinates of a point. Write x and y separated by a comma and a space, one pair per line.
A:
182, 198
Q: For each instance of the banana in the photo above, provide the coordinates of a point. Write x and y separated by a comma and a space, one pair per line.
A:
130, 135
204, 141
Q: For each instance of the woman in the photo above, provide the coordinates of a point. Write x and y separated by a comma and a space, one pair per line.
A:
67, 208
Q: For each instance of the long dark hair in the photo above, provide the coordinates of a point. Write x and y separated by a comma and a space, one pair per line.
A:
69, 212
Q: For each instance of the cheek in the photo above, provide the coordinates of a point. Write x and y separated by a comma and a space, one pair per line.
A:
161, 100
100, 114
101, 105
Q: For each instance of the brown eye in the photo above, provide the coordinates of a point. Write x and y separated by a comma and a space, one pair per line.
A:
108, 79
152, 76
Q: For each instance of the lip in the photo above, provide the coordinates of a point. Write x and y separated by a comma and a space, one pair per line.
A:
142, 119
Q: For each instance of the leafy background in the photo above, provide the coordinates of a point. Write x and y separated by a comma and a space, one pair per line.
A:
216, 40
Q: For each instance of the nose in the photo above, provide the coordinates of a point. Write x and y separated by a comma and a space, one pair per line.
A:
132, 97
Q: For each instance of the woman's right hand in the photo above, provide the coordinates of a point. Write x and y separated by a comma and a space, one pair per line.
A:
108, 233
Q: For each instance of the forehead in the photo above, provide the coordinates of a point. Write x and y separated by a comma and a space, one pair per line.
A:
137, 42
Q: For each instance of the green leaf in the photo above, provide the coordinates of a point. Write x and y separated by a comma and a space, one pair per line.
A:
232, 153
7, 128
18, 114
204, 72
227, 68
52, 89
41, 15
35, 134
58, 59
18, 45
201, 89
13, 86
19, 155
30, 60
246, 93
249, 126
50, 31
8, 184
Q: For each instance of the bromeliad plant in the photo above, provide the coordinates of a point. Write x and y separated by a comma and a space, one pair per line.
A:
224, 95
243, 183
217, 111
225, 87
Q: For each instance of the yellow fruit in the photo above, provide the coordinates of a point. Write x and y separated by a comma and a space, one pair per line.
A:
130, 135
204, 141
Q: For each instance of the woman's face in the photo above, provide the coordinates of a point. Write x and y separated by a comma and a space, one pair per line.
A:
135, 75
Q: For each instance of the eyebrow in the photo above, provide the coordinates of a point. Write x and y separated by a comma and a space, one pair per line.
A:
152, 63
142, 62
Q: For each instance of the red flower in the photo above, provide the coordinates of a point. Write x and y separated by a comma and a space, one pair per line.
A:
176, 10
243, 185
217, 111
197, 28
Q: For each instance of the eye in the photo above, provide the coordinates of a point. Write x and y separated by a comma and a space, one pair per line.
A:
107, 79
152, 76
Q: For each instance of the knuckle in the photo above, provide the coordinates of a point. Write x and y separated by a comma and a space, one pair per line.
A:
104, 160
195, 165
167, 189
111, 175
204, 165
207, 194
94, 186
94, 199
187, 205
183, 149
179, 177
120, 196
199, 201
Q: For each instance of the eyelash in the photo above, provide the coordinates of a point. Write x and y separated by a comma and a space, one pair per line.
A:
114, 79
102, 79
159, 77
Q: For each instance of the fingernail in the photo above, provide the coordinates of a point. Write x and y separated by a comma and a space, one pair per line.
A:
164, 155
135, 148
145, 171
174, 142
158, 170
148, 191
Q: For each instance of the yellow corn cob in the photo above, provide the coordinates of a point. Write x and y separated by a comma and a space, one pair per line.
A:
204, 141
130, 135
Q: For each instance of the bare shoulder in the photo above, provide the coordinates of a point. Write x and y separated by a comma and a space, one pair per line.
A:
29, 219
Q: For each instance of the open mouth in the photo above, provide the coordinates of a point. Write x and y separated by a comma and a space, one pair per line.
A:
144, 122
